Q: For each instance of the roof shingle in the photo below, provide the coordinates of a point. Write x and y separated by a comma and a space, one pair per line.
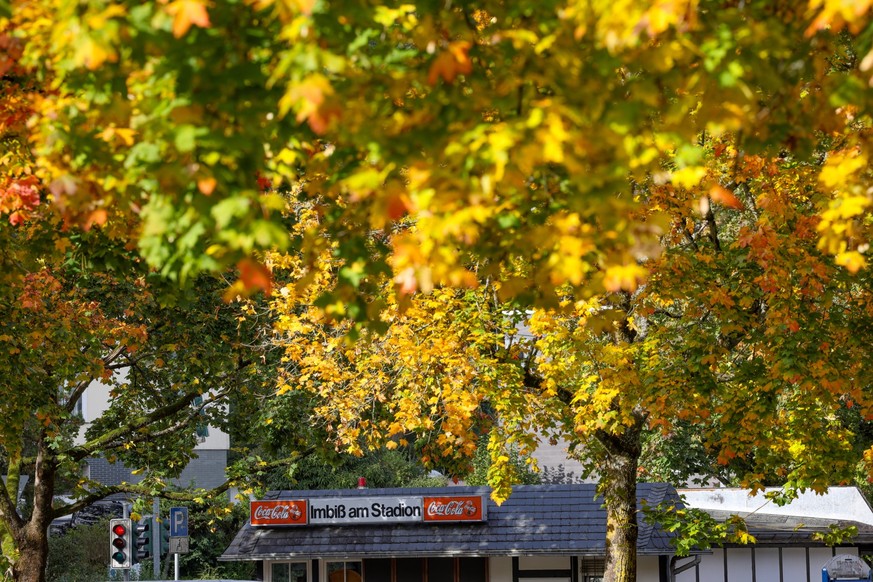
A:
536, 519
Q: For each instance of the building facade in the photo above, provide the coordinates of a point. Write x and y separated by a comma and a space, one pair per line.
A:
542, 533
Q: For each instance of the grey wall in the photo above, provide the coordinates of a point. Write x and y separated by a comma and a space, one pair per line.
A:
207, 470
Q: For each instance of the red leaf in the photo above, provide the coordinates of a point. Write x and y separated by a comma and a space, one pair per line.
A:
255, 276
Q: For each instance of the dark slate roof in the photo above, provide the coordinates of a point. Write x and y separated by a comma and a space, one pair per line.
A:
536, 519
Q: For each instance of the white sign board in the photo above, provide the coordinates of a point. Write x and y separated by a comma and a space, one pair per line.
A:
364, 510
178, 545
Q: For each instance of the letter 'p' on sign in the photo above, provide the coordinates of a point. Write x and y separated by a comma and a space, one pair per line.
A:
279, 512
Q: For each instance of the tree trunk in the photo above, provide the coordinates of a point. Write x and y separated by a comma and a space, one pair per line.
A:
32, 539
618, 483
32, 555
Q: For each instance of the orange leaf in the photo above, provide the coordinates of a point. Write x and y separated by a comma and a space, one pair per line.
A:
305, 6
724, 196
97, 217
397, 207
450, 63
206, 185
187, 12
310, 99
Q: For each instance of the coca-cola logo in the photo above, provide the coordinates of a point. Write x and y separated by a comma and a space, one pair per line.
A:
453, 508
278, 512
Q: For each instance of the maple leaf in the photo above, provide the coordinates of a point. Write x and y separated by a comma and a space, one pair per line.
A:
450, 63
851, 260
186, 13
837, 14
726, 197
98, 217
264, 183
309, 98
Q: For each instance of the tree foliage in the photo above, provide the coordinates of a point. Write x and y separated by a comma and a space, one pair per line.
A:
679, 189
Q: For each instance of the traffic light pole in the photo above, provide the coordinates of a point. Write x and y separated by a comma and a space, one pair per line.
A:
125, 513
156, 538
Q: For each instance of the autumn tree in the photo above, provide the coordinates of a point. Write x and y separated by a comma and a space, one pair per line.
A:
78, 308
531, 145
76, 321
435, 377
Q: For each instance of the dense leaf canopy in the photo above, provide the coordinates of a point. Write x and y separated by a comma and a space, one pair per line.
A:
679, 190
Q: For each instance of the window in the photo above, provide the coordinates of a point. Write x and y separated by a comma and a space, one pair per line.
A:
472, 569
408, 569
378, 570
288, 572
343, 571
441, 570
423, 570
592, 569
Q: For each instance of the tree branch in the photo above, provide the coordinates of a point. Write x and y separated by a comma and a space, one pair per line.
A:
135, 489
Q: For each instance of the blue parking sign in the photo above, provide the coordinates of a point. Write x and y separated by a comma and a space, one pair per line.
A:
178, 522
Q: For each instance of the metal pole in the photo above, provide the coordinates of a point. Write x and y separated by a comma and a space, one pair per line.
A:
156, 538
176, 568
125, 513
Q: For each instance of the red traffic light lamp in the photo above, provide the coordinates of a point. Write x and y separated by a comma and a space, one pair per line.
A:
120, 544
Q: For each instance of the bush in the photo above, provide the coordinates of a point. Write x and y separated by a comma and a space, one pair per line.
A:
80, 555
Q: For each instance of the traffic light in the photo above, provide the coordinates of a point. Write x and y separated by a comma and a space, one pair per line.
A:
144, 538
165, 536
120, 547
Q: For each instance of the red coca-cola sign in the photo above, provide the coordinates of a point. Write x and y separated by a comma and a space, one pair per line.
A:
279, 512
454, 508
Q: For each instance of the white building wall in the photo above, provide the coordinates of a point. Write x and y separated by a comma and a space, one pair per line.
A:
711, 568
818, 557
500, 569
839, 503
543, 563
647, 569
739, 564
766, 564
794, 565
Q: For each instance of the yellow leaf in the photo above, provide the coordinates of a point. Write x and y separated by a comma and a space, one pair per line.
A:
627, 277
851, 260
688, 177
839, 167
